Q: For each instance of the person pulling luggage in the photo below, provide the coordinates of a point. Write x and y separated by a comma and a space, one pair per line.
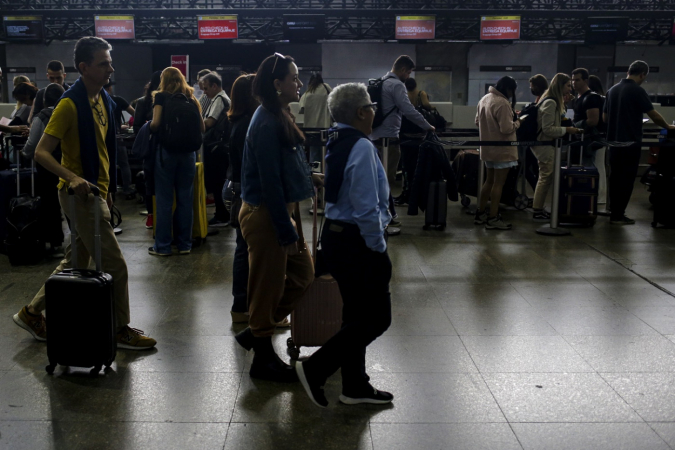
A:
355, 250
83, 123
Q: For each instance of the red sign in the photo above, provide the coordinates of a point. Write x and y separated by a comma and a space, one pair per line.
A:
218, 27
182, 63
415, 27
495, 28
115, 27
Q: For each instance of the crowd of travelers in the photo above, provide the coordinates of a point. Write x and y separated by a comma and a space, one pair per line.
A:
257, 172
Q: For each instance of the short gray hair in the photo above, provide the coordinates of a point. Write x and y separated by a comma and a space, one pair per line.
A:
345, 100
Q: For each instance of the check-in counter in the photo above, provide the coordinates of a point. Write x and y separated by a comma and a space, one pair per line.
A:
295, 110
6, 109
445, 109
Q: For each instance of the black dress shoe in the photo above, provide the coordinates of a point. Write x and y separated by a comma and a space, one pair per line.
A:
270, 367
370, 395
245, 338
314, 391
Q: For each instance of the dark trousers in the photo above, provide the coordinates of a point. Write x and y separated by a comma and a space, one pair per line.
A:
623, 163
215, 173
363, 278
50, 213
240, 275
409, 155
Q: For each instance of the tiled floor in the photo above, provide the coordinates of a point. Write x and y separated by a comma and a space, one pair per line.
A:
500, 340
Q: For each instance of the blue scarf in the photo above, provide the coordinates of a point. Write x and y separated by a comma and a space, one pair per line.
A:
85, 125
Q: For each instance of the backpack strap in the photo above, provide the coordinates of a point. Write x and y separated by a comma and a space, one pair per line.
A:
326, 88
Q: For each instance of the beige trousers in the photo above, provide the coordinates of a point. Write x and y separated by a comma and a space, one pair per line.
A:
546, 158
112, 260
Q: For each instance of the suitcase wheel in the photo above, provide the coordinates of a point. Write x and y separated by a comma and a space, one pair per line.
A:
50, 369
654, 224
466, 201
522, 202
293, 351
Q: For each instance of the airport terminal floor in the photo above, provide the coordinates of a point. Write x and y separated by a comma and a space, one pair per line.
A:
500, 340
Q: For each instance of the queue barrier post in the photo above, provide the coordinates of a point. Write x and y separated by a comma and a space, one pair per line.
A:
552, 229
385, 154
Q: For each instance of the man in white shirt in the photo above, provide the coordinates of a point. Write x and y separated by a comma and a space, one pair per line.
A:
215, 155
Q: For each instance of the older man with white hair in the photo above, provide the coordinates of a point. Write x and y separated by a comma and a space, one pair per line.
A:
355, 250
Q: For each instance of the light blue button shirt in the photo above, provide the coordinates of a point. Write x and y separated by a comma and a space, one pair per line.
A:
363, 198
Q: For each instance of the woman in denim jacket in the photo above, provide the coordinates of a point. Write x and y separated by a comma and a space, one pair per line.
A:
275, 176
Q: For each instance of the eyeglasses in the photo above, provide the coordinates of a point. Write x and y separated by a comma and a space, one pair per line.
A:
278, 55
100, 116
371, 105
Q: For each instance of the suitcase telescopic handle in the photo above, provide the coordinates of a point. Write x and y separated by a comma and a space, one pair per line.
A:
97, 228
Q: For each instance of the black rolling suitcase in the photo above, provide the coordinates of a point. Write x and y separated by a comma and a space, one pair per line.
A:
663, 189
578, 198
436, 212
466, 165
25, 244
81, 300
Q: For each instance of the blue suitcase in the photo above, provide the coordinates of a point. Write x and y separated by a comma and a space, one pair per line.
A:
578, 199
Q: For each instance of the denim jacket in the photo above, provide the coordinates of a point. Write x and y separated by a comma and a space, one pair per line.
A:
274, 174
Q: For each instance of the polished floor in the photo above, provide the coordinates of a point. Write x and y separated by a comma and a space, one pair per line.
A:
500, 340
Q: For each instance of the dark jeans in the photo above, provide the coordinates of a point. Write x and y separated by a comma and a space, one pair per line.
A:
409, 155
623, 163
240, 275
363, 278
215, 173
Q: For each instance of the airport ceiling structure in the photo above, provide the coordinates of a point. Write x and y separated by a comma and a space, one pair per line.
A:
261, 20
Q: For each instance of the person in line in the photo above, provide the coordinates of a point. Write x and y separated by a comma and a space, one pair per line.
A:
314, 106
595, 85
173, 172
143, 115
56, 74
24, 94
241, 111
495, 120
418, 98
395, 105
204, 100
625, 105
587, 113
275, 177
538, 85
215, 151
355, 249
549, 119
81, 123
46, 181
122, 105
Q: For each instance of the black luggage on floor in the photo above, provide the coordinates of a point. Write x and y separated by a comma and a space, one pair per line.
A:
466, 165
25, 243
663, 189
436, 212
578, 199
79, 302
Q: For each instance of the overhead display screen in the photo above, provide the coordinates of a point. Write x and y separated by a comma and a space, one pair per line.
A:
415, 27
499, 28
606, 30
305, 27
114, 27
23, 28
218, 27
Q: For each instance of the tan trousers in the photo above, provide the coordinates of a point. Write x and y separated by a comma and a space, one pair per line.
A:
393, 157
276, 282
546, 158
112, 260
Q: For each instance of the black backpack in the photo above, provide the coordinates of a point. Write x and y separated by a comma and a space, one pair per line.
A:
181, 127
218, 136
529, 128
375, 92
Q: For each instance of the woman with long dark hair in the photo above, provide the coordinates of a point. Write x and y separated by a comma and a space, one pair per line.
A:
242, 108
274, 178
495, 120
